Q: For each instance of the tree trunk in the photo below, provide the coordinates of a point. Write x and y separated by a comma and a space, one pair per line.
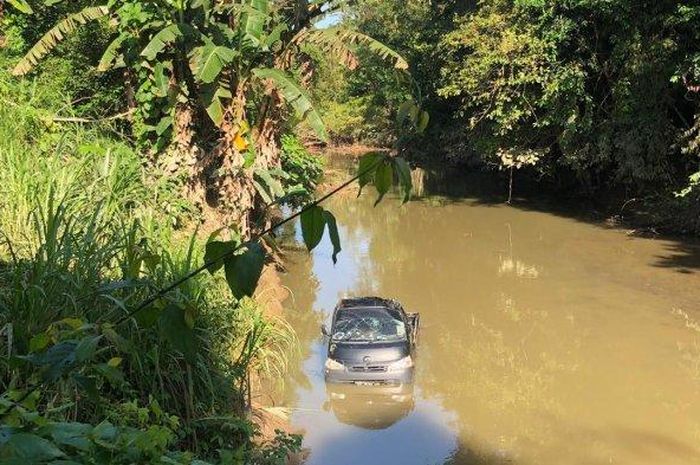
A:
129, 91
510, 186
218, 183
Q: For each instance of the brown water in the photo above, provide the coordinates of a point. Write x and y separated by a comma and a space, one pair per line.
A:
545, 339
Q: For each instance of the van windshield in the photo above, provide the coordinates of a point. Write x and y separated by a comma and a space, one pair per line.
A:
368, 325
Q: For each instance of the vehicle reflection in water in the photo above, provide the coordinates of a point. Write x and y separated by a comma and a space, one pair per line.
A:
369, 407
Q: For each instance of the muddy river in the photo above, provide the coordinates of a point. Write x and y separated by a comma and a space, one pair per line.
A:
545, 338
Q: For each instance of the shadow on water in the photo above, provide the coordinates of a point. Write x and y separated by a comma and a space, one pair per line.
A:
490, 190
682, 255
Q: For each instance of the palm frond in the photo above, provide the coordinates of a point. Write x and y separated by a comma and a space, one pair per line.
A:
162, 39
55, 35
338, 39
254, 19
295, 96
22, 5
111, 54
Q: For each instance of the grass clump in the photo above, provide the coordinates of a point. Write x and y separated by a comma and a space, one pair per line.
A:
87, 231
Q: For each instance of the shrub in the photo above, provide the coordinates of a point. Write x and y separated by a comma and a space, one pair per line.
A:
86, 233
303, 168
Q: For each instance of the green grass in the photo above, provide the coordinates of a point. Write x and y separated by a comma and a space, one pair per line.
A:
87, 231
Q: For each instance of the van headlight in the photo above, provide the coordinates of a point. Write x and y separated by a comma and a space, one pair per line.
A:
404, 363
333, 365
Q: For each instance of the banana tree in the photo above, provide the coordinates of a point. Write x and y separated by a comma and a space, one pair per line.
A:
215, 79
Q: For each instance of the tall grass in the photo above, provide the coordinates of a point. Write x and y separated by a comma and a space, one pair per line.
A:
86, 232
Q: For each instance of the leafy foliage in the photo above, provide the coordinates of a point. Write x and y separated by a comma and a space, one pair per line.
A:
605, 93
87, 231
57, 34
295, 96
22, 5
304, 169
209, 56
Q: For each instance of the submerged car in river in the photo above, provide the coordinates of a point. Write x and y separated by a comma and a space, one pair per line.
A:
372, 341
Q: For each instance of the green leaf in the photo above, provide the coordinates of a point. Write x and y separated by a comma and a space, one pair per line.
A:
72, 434
39, 342
111, 54
87, 384
120, 343
73, 323
295, 96
404, 111
209, 60
422, 123
29, 448
56, 361
148, 316
339, 38
165, 37
275, 187
383, 179
113, 375
105, 431
163, 125
249, 157
403, 172
86, 348
243, 271
190, 316
178, 332
262, 192
216, 249
22, 5
161, 80
367, 168
57, 34
273, 37
254, 18
212, 96
333, 234
313, 222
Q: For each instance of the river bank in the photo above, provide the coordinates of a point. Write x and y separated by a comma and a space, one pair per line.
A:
657, 213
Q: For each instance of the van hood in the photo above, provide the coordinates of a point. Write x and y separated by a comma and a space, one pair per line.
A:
378, 353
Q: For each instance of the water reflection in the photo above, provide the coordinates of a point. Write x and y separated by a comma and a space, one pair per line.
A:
369, 407
544, 340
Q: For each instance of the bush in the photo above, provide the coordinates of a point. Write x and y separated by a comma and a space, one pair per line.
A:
86, 233
303, 168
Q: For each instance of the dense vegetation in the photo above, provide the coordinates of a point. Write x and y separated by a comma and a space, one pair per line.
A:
586, 96
130, 128
86, 232
127, 335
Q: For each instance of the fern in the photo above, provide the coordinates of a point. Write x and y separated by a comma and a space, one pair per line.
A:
337, 40
55, 35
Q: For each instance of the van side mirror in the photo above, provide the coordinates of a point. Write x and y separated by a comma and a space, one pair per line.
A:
324, 330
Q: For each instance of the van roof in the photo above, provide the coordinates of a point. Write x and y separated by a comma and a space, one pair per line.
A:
369, 302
